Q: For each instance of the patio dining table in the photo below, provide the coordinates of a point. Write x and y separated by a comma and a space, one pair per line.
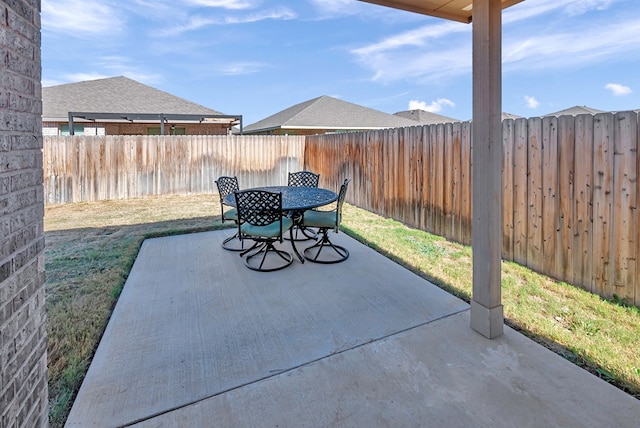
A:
295, 200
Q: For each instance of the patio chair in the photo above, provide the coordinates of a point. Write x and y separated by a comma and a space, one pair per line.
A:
299, 179
260, 219
324, 221
303, 178
226, 186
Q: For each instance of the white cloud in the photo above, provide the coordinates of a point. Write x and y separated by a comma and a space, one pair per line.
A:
417, 37
427, 53
579, 7
52, 82
618, 89
240, 68
81, 77
282, 14
191, 24
225, 4
441, 51
336, 7
532, 102
568, 49
532, 9
433, 107
419, 64
81, 18
196, 22
114, 66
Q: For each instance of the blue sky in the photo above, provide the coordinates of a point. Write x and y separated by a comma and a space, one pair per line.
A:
257, 57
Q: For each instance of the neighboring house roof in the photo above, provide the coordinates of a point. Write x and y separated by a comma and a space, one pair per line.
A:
113, 95
576, 110
506, 115
327, 113
425, 117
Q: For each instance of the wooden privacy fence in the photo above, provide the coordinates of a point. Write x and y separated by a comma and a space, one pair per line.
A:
90, 168
570, 191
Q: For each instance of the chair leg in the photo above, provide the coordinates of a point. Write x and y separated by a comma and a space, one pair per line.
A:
306, 233
325, 242
257, 245
228, 243
266, 248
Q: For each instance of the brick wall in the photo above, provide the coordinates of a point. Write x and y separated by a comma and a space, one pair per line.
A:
23, 361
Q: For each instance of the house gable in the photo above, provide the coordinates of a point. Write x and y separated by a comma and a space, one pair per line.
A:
129, 104
326, 114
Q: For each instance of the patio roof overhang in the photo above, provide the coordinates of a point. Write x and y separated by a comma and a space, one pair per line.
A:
487, 316
161, 118
455, 10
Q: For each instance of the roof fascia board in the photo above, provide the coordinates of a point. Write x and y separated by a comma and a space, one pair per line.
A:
160, 117
340, 127
152, 116
420, 10
466, 17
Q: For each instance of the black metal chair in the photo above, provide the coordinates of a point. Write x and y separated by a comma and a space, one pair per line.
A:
324, 221
299, 179
303, 178
226, 186
260, 219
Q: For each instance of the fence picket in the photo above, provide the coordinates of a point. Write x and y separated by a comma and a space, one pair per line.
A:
520, 191
550, 204
466, 164
565, 215
636, 300
603, 204
534, 172
508, 137
624, 225
447, 181
583, 197
456, 156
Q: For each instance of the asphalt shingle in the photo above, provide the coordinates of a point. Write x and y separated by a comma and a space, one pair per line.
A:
113, 95
328, 113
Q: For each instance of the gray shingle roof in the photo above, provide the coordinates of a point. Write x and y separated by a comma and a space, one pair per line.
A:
327, 113
425, 117
506, 115
113, 95
575, 110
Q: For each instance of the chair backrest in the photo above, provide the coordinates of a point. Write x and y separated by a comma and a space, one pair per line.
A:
259, 207
226, 186
341, 196
303, 178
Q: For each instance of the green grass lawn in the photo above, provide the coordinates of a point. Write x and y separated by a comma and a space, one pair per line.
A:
90, 248
598, 335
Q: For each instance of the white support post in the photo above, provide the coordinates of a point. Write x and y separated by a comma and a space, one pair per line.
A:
486, 305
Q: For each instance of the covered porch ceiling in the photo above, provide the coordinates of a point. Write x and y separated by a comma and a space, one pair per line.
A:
455, 10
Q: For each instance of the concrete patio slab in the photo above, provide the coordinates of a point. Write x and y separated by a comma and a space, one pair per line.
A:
197, 339
193, 321
442, 374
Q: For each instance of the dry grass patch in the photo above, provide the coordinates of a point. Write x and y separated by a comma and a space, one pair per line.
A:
90, 248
